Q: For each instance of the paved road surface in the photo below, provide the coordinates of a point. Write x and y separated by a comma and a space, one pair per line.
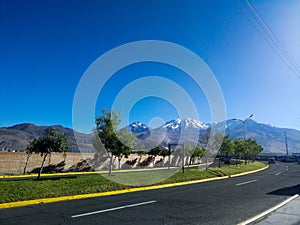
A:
228, 201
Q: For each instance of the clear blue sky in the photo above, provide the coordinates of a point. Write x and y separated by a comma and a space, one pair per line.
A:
46, 46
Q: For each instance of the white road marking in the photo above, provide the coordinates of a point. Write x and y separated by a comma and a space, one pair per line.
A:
276, 174
113, 209
247, 182
269, 210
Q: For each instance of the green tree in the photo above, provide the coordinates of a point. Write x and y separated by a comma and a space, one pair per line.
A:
198, 153
227, 148
50, 142
154, 151
118, 142
240, 149
254, 148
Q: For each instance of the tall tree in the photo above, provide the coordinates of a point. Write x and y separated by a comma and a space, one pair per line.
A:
117, 142
240, 149
50, 142
254, 148
198, 153
227, 147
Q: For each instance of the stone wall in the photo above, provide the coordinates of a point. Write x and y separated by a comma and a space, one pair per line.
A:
14, 162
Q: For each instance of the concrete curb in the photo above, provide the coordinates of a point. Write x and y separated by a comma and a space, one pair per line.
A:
93, 195
257, 217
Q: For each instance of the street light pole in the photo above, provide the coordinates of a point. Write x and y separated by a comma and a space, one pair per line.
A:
244, 126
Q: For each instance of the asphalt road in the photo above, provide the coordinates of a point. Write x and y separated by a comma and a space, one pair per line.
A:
228, 201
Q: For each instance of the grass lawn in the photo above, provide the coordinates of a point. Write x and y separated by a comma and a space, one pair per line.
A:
11, 191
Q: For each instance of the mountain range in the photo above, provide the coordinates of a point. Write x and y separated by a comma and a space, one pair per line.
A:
271, 138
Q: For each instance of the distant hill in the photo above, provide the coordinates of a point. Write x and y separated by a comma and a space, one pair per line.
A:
18, 136
270, 137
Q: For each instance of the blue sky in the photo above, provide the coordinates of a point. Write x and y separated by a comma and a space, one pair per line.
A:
46, 47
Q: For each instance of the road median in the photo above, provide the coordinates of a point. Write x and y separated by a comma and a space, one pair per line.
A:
30, 192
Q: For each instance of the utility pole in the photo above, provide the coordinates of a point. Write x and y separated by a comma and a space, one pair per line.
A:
169, 164
286, 145
183, 156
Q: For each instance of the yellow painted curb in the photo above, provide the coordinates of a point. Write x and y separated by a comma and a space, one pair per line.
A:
253, 171
82, 196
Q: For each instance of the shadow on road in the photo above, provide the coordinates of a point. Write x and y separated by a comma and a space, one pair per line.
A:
289, 191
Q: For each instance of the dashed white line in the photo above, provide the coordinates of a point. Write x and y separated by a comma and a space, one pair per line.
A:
113, 209
276, 174
247, 182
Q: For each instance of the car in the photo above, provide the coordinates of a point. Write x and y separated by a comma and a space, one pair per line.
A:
271, 161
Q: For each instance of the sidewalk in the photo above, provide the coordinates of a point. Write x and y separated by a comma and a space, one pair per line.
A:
288, 214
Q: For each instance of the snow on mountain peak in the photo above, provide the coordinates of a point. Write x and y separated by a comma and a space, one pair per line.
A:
186, 123
138, 126
190, 122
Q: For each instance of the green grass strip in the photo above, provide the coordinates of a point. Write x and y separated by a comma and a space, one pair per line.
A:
22, 190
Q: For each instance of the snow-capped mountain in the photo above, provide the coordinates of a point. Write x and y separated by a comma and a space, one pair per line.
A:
173, 124
138, 127
186, 123
142, 131
271, 138
184, 130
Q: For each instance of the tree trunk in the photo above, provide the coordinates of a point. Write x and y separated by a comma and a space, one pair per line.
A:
110, 165
42, 166
26, 163
119, 163
191, 159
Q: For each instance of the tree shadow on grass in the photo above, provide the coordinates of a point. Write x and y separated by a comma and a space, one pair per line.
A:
288, 191
216, 173
55, 178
